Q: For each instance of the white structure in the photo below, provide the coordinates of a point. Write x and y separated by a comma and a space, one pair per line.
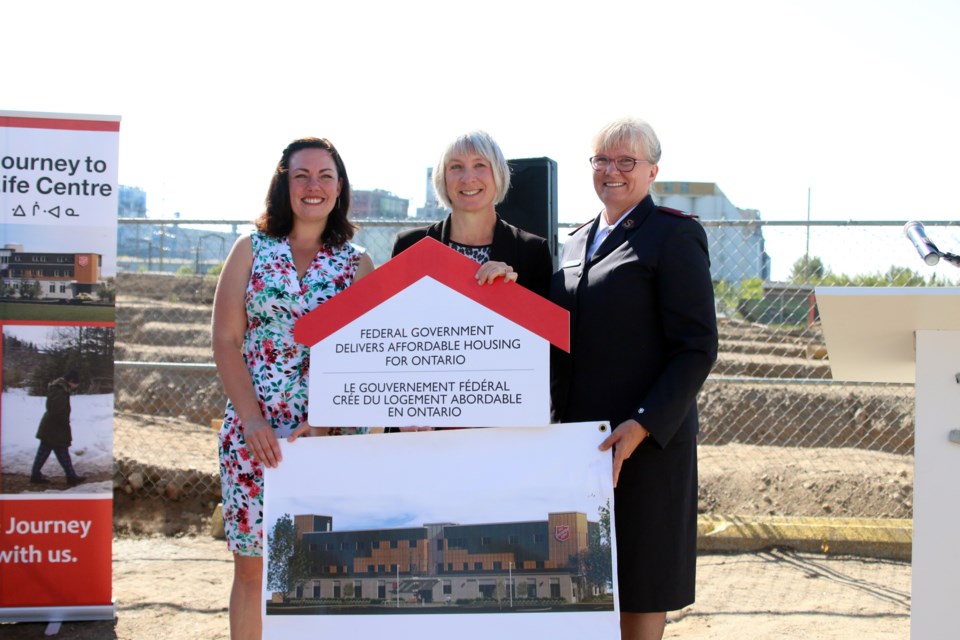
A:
431, 209
736, 251
907, 334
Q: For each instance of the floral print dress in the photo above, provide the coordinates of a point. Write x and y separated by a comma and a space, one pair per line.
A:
279, 368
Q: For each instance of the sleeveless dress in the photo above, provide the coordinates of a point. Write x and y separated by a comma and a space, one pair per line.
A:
279, 368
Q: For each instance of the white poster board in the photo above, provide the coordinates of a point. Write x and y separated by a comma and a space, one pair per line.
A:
443, 534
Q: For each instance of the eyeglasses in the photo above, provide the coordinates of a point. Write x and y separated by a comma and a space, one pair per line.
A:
624, 164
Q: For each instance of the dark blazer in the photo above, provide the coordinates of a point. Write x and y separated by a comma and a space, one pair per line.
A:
642, 321
529, 255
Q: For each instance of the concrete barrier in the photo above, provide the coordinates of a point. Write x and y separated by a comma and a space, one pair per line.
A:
869, 537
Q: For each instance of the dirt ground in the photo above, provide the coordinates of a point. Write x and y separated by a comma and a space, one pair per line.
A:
177, 587
172, 579
20, 483
742, 479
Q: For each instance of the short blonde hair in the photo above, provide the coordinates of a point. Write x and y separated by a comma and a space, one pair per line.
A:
481, 143
634, 133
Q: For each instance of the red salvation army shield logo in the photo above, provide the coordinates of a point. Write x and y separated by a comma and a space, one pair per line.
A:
562, 532
83, 260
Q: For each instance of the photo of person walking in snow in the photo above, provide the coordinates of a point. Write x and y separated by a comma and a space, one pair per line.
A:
54, 431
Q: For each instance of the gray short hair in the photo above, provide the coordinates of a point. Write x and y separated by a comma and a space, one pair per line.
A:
481, 143
634, 133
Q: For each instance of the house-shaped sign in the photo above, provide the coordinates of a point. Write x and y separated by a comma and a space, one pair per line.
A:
419, 343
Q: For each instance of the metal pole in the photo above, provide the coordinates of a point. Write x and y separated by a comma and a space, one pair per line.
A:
162, 231
511, 585
807, 252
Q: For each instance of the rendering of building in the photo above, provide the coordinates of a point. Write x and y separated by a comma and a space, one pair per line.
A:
447, 562
737, 252
61, 276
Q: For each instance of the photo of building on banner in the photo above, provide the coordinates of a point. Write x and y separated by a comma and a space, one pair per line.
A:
443, 532
58, 226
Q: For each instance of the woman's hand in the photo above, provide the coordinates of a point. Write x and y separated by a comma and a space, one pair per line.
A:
412, 429
262, 442
305, 430
625, 439
490, 271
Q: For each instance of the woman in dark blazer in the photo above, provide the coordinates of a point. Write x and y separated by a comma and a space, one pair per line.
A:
472, 177
636, 281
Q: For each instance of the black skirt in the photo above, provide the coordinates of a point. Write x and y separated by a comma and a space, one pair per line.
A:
655, 510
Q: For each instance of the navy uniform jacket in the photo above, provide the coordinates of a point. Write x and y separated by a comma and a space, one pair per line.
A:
527, 254
642, 321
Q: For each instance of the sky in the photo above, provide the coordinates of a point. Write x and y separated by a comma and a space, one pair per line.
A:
855, 100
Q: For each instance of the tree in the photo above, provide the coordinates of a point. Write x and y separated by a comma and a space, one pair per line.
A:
894, 276
808, 269
214, 272
903, 277
30, 290
86, 350
20, 357
348, 590
500, 592
107, 291
299, 563
289, 564
726, 296
597, 562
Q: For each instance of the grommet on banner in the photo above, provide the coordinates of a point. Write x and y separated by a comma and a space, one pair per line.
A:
603, 428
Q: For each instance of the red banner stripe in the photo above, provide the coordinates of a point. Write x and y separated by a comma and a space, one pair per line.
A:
59, 123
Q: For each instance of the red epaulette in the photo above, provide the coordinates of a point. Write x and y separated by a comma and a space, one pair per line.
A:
677, 212
581, 226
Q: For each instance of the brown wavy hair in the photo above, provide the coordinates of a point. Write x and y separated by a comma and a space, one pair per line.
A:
277, 219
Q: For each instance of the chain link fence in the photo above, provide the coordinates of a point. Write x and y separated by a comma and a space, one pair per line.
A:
779, 436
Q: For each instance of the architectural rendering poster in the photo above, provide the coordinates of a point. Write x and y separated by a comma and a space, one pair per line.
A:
419, 342
472, 533
58, 226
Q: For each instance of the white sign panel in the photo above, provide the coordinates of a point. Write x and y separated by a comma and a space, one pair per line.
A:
58, 178
459, 365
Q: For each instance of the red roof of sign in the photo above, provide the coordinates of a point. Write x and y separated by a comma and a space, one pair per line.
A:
431, 258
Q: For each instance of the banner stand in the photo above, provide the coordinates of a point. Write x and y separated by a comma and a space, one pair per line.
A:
60, 614
58, 255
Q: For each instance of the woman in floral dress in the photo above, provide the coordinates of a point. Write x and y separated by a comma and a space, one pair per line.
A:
299, 257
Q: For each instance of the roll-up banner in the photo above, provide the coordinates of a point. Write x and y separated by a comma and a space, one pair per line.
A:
58, 229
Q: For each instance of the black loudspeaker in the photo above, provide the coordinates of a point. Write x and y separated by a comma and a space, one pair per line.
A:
531, 202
